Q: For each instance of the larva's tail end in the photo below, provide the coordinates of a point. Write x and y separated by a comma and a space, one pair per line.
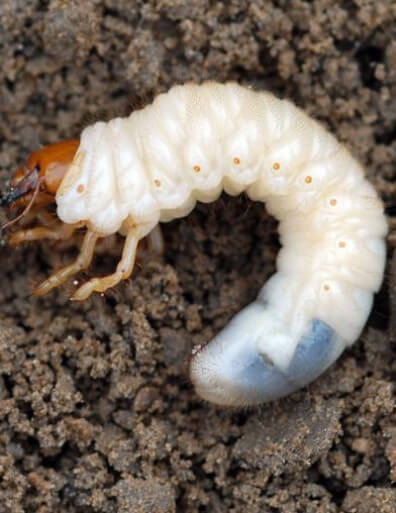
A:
232, 371
247, 381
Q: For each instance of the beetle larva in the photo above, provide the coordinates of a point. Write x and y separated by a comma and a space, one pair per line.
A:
193, 142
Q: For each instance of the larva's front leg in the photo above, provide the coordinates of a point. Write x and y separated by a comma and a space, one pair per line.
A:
155, 241
123, 271
82, 262
45, 220
61, 231
43, 217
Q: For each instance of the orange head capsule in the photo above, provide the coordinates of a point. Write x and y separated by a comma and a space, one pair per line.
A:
38, 180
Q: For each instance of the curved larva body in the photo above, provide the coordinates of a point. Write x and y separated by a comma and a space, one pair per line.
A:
196, 141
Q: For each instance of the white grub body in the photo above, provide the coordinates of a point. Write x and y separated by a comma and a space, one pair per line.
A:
197, 140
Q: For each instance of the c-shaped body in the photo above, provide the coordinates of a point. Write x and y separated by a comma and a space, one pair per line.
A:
196, 141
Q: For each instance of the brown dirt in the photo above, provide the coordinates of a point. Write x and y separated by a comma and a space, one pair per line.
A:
97, 414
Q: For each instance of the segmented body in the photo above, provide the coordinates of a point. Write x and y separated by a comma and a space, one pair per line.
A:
198, 140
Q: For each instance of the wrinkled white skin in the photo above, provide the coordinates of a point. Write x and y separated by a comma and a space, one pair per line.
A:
196, 141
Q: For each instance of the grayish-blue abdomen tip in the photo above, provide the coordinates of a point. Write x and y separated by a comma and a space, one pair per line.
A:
313, 353
231, 371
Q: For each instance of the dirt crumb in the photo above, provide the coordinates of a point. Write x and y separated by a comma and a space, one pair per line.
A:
298, 435
369, 499
144, 496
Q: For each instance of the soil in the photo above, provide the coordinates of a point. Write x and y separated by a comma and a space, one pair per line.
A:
97, 413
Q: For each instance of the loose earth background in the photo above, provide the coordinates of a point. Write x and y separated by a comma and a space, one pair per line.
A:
96, 411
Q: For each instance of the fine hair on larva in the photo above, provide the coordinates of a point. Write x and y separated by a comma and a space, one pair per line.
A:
189, 145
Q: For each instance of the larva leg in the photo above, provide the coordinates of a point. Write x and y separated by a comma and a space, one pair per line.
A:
82, 262
46, 218
62, 231
155, 241
43, 217
123, 271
